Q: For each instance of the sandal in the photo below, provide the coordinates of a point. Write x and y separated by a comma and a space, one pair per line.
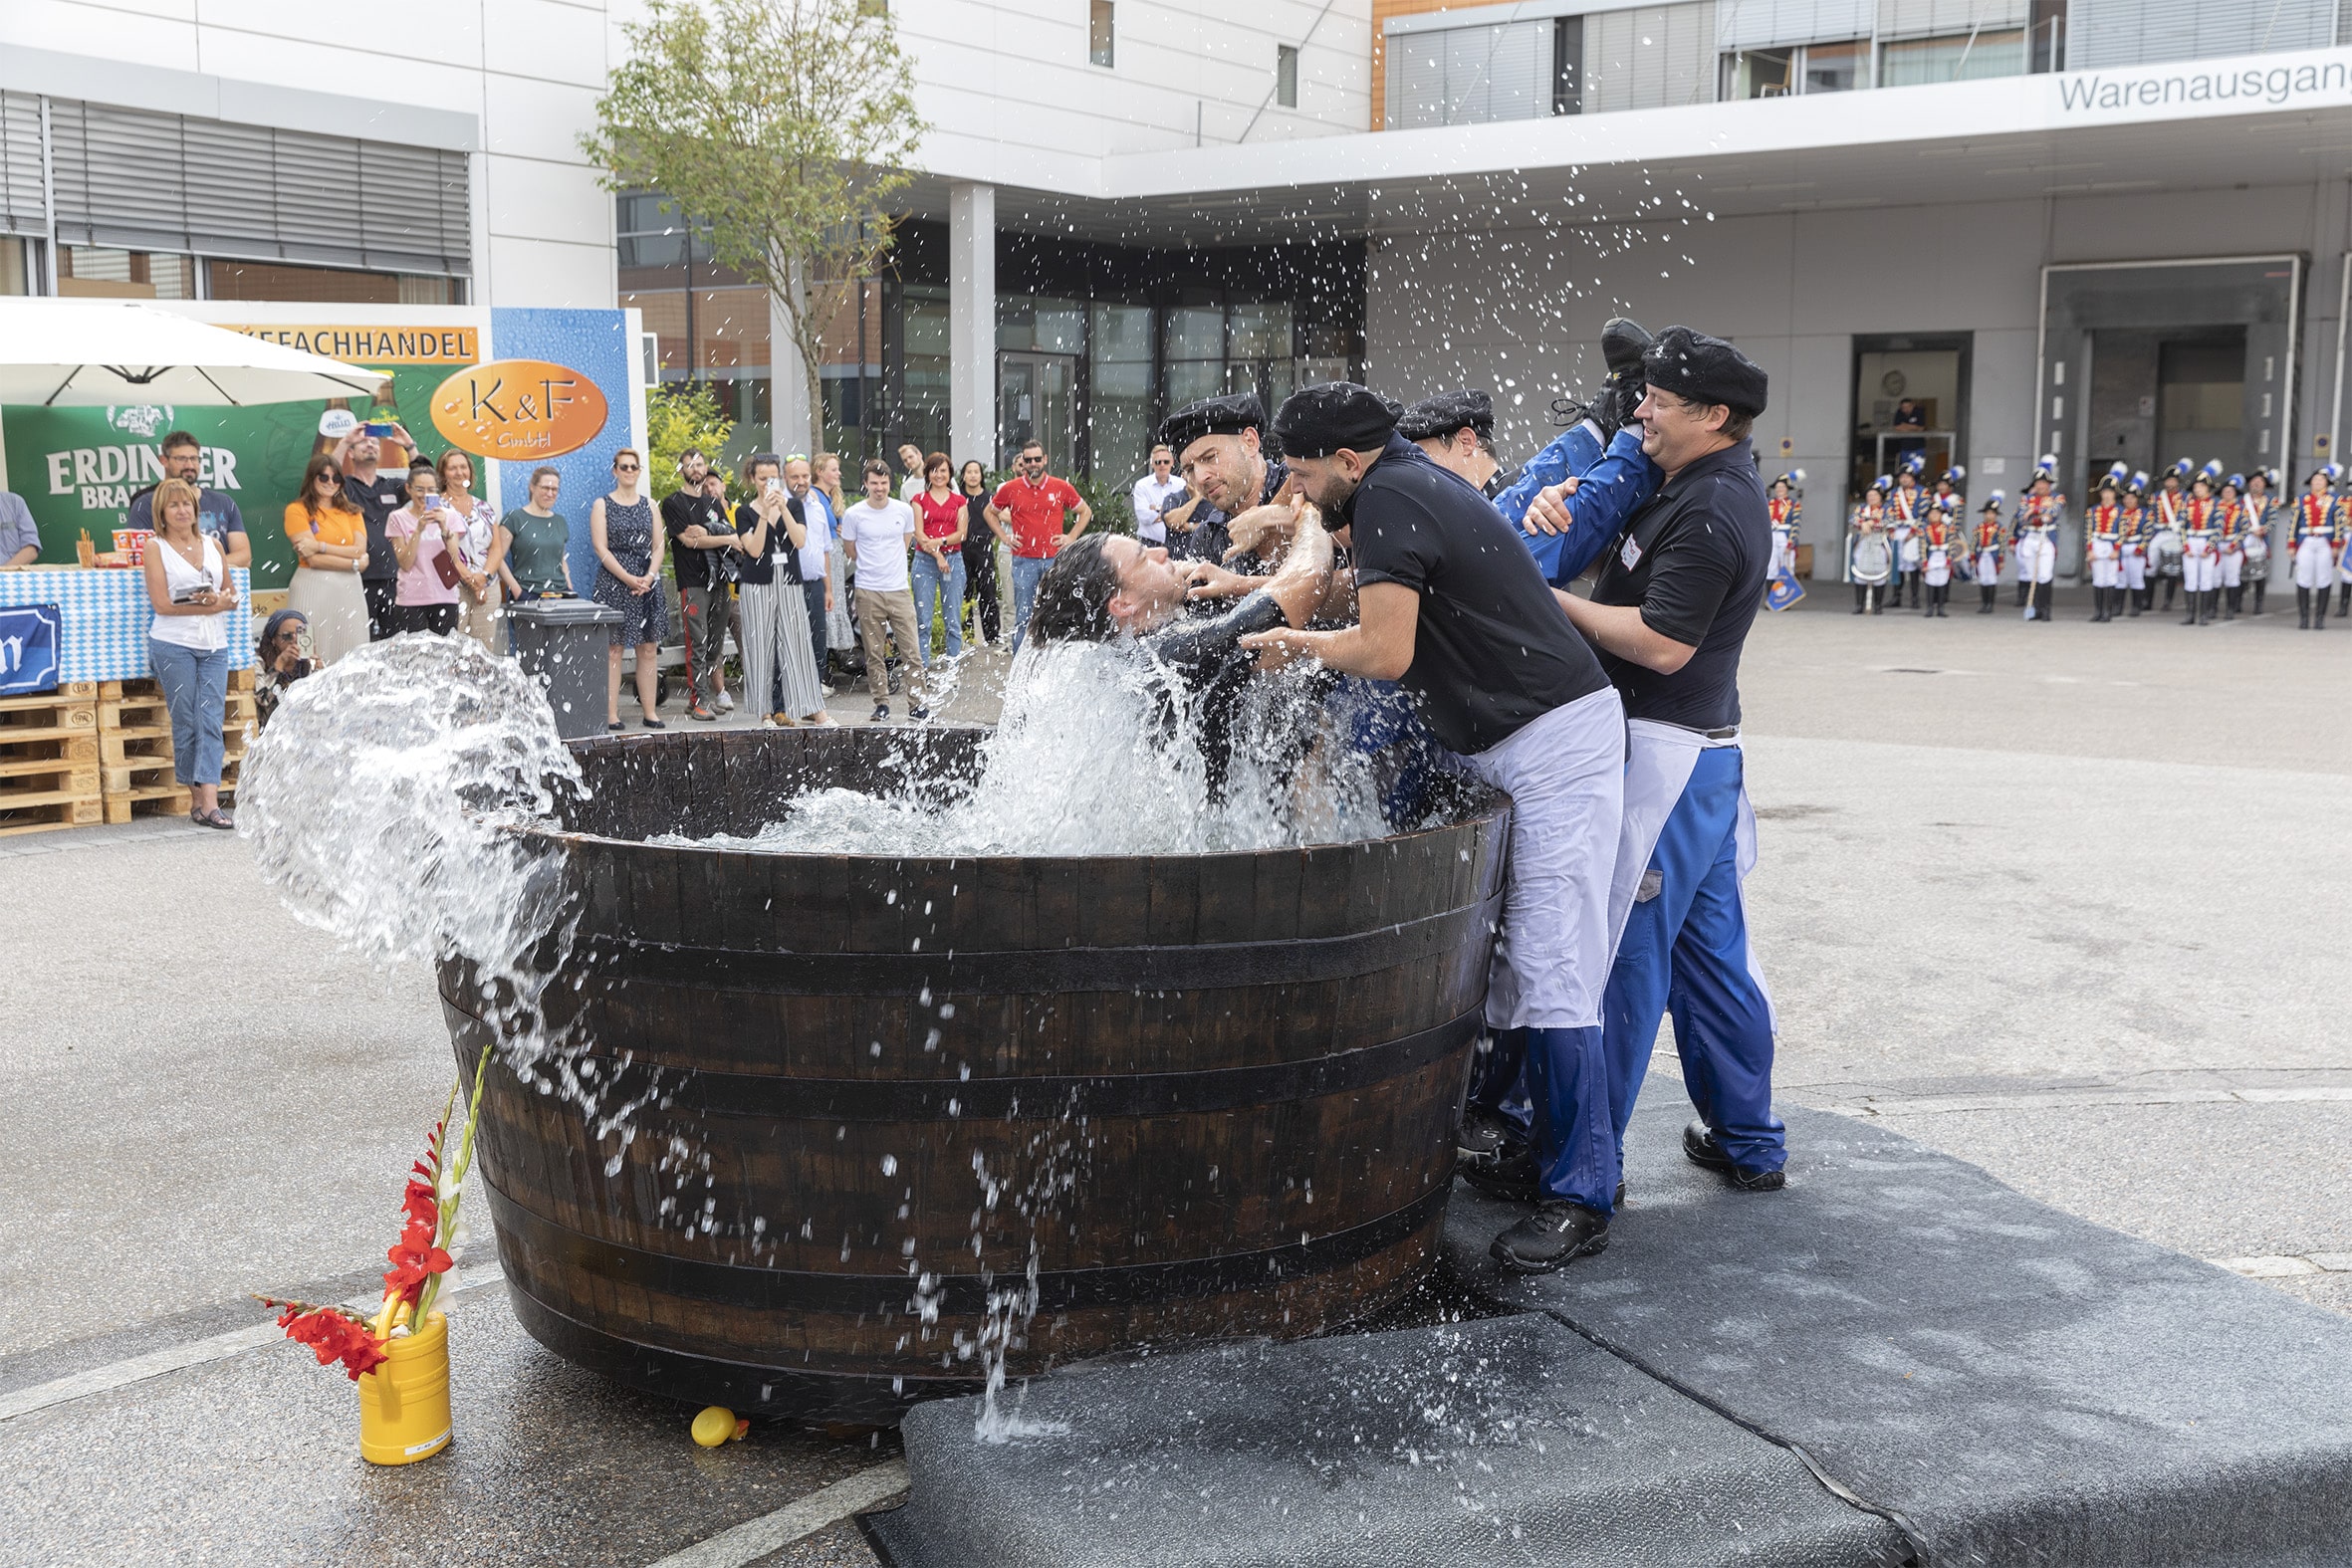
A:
216, 817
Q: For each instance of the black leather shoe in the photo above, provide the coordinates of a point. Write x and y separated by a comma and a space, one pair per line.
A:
1700, 1148
1557, 1233
1510, 1178
1482, 1137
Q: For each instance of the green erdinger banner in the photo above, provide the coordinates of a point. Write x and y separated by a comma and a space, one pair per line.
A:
78, 468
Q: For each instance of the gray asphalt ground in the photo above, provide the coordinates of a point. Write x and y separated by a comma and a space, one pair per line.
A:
2069, 902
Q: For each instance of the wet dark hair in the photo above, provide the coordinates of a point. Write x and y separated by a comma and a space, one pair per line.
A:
1073, 596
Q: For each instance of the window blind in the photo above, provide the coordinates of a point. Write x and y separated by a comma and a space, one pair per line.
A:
2136, 32
135, 179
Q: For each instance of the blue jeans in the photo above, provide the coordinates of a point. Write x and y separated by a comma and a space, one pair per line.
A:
929, 581
1026, 570
195, 689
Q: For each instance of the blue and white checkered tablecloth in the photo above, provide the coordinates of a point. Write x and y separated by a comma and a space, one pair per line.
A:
103, 616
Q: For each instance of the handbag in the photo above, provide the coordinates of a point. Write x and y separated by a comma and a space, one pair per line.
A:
445, 566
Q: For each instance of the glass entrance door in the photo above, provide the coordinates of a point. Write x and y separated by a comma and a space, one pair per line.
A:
1036, 400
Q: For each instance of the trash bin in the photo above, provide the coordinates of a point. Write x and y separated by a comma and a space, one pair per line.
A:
562, 643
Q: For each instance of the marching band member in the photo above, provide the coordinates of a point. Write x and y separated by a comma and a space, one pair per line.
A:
2229, 542
2135, 545
2165, 517
2260, 503
1907, 513
2035, 527
2104, 526
1989, 545
1939, 541
1788, 509
1947, 485
2201, 564
1869, 535
2314, 545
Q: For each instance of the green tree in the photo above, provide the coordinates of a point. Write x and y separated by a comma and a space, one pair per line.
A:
787, 127
679, 415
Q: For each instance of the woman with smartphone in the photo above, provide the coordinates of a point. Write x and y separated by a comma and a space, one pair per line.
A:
474, 536
420, 534
189, 590
329, 538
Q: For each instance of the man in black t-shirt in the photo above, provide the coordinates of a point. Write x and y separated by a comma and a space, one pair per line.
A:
1669, 613
697, 526
377, 495
1449, 603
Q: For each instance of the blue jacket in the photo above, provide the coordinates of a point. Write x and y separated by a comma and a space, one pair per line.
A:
1615, 484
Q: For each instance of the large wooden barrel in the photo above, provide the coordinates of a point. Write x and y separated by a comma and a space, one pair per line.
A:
1199, 1095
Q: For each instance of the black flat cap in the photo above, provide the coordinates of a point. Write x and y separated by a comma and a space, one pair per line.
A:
1471, 407
1226, 416
1703, 369
1317, 421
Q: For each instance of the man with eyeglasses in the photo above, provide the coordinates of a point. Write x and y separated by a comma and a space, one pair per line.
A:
378, 496
1027, 513
216, 513
697, 526
1153, 494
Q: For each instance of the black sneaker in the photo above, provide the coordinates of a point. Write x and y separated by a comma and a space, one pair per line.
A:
918, 714
1557, 1233
1482, 1137
1700, 1148
882, 712
1510, 1178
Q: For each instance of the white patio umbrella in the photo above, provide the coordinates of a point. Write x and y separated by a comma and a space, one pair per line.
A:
100, 353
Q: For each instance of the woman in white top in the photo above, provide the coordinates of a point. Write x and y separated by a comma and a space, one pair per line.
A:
188, 646
474, 533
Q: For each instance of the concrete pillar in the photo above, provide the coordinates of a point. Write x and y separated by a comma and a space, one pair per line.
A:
972, 321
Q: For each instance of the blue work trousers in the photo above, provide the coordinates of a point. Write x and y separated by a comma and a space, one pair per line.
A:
1684, 951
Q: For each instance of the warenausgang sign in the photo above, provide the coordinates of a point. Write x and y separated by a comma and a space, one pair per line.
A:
2247, 82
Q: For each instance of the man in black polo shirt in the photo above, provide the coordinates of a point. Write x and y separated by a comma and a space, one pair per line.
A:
1449, 603
697, 526
1670, 614
378, 496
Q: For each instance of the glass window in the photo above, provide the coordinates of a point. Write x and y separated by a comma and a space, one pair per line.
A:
92, 272
1758, 72
1098, 33
1285, 75
1959, 57
1039, 322
1260, 332
242, 280
1120, 406
1196, 329
923, 325
1190, 381
1836, 67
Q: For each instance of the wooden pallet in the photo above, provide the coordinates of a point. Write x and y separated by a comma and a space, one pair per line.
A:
69, 711
46, 813
163, 800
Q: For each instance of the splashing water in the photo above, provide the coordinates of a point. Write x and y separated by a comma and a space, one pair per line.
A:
1099, 753
382, 803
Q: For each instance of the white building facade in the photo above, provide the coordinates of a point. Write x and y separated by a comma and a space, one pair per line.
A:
2110, 230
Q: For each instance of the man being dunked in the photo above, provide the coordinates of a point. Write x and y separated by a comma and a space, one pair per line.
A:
1449, 605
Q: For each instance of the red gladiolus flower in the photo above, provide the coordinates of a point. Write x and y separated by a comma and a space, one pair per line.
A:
421, 1205
333, 1335
412, 1261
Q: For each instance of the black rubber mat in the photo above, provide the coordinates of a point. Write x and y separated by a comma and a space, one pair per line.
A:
1511, 1440
2020, 1386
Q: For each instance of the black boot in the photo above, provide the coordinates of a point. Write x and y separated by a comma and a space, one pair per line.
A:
1557, 1233
2045, 598
2319, 609
2344, 599
1861, 598
1915, 583
2023, 589
2230, 602
2131, 602
1987, 595
2260, 587
2189, 620
2302, 610
2099, 606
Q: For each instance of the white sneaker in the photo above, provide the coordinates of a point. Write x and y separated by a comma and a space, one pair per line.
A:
726, 702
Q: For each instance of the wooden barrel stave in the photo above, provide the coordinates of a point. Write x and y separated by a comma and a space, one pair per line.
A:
1051, 983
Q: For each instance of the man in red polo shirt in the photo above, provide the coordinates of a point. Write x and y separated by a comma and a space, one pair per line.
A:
1027, 513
